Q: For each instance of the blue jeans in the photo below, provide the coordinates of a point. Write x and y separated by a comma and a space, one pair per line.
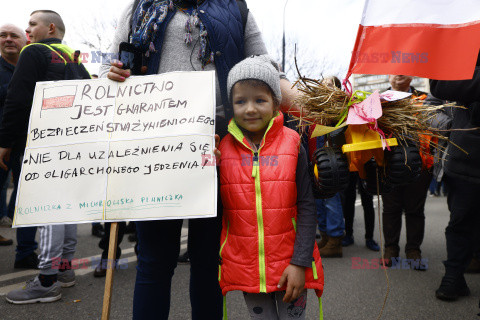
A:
330, 216
158, 250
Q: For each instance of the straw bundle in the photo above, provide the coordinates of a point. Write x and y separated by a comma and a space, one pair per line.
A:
408, 119
321, 104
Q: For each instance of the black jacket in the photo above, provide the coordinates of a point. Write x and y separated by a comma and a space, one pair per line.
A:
36, 63
6, 72
466, 93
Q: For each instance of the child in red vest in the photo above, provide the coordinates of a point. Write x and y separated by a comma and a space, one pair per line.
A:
268, 247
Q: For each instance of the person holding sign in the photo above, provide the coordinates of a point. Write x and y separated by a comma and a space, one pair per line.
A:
57, 242
186, 35
268, 247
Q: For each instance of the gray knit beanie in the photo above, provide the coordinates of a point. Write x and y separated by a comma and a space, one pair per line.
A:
257, 68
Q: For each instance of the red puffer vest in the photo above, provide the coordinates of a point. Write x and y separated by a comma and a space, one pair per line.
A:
259, 196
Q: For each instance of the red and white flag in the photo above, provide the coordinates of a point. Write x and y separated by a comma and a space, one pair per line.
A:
436, 39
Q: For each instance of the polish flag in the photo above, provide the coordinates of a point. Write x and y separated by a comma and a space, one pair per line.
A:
58, 97
436, 39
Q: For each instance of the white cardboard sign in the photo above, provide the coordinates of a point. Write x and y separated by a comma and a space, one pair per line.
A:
100, 150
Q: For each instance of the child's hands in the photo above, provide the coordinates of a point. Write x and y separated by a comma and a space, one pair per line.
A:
216, 152
295, 278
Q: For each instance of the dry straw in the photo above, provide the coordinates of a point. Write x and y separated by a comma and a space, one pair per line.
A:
409, 120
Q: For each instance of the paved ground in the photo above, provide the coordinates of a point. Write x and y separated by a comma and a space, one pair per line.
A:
349, 293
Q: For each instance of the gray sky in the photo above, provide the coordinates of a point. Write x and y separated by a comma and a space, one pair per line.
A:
324, 30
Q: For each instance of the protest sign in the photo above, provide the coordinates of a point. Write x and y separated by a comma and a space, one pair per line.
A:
100, 150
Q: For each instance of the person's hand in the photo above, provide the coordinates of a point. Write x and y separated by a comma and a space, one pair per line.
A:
295, 278
4, 157
216, 152
116, 72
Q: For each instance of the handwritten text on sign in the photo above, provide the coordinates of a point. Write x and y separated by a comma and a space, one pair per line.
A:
99, 150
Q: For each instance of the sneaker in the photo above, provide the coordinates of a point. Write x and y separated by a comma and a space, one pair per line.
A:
5, 242
372, 245
29, 262
347, 241
66, 279
34, 292
6, 222
451, 289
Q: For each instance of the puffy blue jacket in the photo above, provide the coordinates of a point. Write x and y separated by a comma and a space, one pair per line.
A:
224, 25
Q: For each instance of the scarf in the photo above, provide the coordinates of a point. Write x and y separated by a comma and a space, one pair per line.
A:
149, 16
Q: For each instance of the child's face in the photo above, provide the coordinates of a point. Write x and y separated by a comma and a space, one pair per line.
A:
253, 108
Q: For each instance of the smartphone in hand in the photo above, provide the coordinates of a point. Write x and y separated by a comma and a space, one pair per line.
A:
131, 57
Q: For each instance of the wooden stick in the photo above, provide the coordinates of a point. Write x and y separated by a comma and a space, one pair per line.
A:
112, 255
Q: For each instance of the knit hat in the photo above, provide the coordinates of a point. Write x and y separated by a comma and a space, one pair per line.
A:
256, 68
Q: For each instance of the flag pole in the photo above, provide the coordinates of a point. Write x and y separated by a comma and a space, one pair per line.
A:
112, 255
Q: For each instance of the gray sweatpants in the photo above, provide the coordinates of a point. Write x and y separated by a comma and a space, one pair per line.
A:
270, 306
56, 242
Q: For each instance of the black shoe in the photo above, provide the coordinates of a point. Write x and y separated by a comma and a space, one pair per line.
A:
29, 262
100, 271
450, 289
98, 231
183, 258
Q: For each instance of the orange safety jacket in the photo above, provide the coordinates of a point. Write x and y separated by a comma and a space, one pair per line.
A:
259, 198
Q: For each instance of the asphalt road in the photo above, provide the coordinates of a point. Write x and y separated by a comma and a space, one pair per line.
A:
349, 293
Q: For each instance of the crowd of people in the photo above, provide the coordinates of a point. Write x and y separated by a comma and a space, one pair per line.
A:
262, 241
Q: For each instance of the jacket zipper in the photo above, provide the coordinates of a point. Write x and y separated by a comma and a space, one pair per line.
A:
261, 233
258, 205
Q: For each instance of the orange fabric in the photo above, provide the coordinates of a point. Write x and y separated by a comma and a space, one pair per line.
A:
425, 152
240, 265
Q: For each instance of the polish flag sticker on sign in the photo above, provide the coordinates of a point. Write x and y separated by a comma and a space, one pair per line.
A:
58, 97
